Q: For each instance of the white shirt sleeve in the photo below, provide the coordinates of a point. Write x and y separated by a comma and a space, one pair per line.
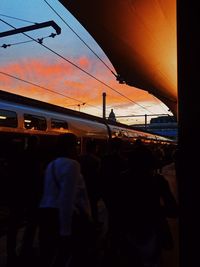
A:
82, 200
68, 173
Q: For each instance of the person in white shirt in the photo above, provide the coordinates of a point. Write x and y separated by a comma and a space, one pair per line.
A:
63, 185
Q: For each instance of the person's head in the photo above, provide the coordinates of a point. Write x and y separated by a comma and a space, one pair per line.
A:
32, 143
91, 146
138, 143
142, 159
67, 145
115, 144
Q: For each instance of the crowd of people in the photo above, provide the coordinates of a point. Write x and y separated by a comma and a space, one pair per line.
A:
59, 199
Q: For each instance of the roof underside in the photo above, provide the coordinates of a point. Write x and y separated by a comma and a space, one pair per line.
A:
139, 38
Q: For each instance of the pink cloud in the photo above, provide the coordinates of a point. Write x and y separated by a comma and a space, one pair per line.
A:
61, 77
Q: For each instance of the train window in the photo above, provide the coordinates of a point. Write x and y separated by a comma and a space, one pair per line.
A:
115, 133
8, 118
124, 133
58, 124
35, 122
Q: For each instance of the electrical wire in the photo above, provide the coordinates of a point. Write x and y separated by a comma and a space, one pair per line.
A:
6, 16
81, 38
42, 87
89, 74
40, 40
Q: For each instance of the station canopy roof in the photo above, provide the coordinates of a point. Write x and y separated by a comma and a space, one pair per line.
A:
139, 38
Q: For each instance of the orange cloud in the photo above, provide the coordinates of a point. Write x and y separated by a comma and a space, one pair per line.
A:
84, 62
70, 84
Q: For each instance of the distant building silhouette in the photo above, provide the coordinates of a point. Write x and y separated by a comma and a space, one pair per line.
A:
163, 125
111, 116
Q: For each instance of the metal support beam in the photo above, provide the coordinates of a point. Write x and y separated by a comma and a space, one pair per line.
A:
142, 115
32, 28
104, 105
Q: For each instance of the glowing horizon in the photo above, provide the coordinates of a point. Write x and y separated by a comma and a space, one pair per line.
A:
32, 63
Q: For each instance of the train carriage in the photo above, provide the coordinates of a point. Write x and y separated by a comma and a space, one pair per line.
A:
22, 116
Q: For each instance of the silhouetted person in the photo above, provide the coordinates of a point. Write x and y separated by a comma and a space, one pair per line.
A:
63, 188
159, 157
140, 213
90, 168
17, 196
168, 210
112, 165
4, 170
33, 171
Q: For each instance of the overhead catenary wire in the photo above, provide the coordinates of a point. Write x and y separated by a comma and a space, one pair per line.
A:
6, 16
89, 74
80, 38
40, 40
70, 29
42, 87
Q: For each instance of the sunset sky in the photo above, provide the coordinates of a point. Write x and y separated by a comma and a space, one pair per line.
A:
64, 71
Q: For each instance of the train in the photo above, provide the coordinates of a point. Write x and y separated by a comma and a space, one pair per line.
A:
23, 116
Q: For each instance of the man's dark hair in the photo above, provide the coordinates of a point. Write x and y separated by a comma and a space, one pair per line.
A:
66, 143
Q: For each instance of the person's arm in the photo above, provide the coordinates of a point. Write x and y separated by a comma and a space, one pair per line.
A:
69, 179
170, 207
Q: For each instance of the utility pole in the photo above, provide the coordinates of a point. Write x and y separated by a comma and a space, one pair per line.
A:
104, 105
79, 106
145, 119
